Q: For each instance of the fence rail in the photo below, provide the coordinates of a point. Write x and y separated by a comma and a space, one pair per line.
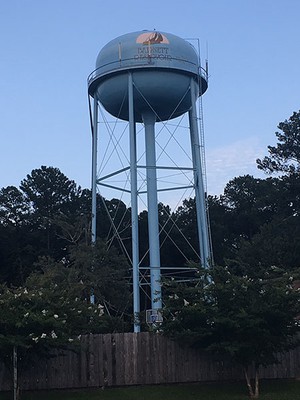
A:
133, 359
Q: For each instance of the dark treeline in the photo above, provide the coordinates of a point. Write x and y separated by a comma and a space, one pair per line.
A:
47, 219
48, 216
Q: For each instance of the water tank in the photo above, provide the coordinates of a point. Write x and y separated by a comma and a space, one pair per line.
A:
161, 64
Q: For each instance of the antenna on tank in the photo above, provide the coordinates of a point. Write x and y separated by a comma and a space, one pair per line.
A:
120, 52
206, 60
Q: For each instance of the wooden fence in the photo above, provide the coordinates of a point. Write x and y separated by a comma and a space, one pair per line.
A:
133, 359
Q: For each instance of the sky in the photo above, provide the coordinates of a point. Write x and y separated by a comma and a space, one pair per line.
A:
49, 47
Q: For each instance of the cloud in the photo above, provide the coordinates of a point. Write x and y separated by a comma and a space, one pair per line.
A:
232, 160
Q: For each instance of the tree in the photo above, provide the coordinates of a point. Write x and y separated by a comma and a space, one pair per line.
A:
250, 318
42, 218
50, 312
49, 190
118, 223
288, 195
277, 244
251, 202
285, 156
15, 236
49, 193
14, 207
220, 220
185, 233
105, 273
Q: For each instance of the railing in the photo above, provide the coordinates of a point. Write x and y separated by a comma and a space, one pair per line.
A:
146, 61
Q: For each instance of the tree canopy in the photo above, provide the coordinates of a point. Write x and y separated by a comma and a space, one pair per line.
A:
247, 305
248, 315
285, 156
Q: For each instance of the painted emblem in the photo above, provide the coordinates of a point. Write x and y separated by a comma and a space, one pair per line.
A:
152, 38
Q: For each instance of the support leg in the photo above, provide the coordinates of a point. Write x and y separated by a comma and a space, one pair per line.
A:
153, 225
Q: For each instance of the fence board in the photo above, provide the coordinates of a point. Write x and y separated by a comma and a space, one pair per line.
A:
83, 361
108, 351
141, 362
119, 359
172, 361
99, 360
129, 357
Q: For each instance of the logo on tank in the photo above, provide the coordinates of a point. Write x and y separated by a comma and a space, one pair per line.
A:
152, 38
152, 47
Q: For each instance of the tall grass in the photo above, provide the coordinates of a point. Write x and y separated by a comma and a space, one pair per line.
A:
270, 390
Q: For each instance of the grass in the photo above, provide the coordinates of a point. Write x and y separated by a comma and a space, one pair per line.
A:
270, 390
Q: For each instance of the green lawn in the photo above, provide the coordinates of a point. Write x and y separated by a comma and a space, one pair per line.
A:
270, 390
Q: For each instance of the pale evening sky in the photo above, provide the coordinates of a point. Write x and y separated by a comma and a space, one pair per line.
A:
49, 47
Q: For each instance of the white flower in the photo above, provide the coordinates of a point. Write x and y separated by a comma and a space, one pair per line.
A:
55, 316
35, 339
43, 335
53, 335
185, 302
44, 312
25, 291
26, 315
79, 311
71, 340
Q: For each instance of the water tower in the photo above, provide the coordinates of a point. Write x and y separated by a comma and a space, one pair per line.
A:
148, 77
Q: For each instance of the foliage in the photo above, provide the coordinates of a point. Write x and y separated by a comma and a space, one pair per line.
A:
46, 217
276, 244
14, 207
35, 223
50, 312
46, 313
251, 203
246, 208
48, 190
285, 156
106, 273
248, 315
28, 220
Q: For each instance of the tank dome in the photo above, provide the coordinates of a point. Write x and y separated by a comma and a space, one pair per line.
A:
161, 64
